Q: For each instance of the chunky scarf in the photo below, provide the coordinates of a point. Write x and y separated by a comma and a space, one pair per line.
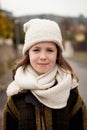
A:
52, 88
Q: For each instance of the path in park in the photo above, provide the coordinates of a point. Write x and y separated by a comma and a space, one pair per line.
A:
81, 71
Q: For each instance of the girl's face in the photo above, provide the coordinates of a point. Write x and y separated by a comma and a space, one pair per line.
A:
43, 57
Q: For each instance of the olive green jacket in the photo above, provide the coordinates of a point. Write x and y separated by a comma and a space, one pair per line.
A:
24, 112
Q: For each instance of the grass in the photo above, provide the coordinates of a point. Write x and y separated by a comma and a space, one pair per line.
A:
2, 69
10, 63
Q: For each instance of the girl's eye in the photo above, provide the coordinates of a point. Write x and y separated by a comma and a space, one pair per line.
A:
36, 50
50, 50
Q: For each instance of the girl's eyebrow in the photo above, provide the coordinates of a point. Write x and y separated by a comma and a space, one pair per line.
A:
46, 47
36, 47
49, 47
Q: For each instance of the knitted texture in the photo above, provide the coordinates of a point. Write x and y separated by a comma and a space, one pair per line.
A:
41, 30
51, 94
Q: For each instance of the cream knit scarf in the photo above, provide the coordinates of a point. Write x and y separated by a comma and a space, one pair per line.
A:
43, 86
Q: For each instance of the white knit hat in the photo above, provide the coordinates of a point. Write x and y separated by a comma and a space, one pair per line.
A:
39, 30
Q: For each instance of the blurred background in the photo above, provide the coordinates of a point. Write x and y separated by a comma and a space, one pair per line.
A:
72, 18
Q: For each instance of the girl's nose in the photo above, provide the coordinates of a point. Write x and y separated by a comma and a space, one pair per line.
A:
43, 56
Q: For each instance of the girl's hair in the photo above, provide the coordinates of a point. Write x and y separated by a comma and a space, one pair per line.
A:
60, 61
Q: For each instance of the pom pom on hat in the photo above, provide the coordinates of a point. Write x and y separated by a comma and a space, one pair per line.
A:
41, 30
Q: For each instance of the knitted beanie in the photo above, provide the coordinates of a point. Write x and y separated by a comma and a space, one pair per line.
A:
41, 30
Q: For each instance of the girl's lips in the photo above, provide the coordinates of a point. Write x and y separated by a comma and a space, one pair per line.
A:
42, 63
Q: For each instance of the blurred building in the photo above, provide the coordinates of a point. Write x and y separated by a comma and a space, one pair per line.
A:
7, 13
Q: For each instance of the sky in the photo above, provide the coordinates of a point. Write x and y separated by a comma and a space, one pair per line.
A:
72, 8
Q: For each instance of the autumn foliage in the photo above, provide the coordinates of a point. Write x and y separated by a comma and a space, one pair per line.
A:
6, 26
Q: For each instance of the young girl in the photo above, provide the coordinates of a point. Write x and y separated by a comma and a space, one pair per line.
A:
44, 92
